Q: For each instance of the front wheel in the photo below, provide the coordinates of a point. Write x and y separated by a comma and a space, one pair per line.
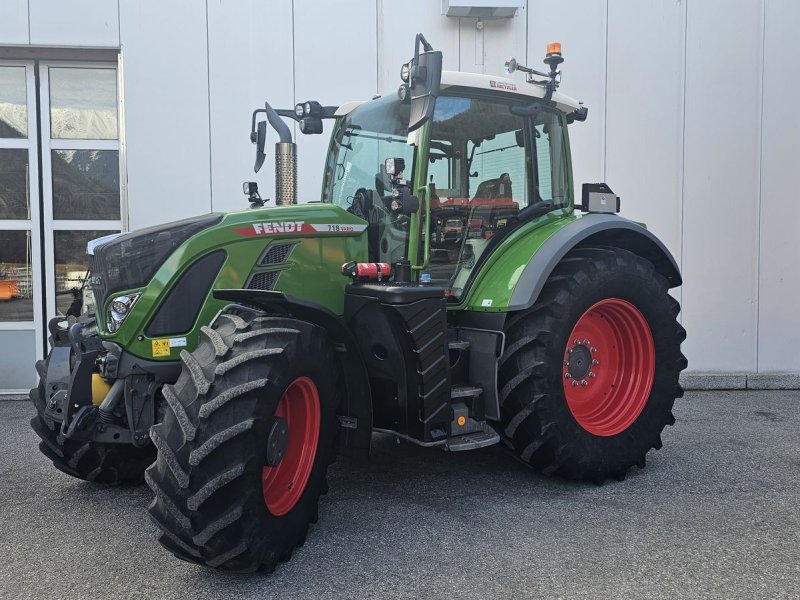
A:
245, 444
590, 372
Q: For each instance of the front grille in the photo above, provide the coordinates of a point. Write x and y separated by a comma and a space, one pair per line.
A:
277, 254
129, 261
263, 281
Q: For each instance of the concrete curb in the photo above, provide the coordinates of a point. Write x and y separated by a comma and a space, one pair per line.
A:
740, 381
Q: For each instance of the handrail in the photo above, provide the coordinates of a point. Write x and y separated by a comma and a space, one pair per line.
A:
423, 199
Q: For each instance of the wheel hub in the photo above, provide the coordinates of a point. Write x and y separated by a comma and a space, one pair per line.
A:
579, 361
276, 442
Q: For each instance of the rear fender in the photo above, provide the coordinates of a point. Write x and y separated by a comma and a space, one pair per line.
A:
513, 279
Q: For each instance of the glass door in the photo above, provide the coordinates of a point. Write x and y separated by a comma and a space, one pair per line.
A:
81, 171
21, 322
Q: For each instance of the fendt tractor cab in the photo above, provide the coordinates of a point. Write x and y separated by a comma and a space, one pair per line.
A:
445, 288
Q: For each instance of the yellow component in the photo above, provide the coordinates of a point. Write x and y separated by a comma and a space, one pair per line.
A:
462, 420
554, 48
99, 389
161, 347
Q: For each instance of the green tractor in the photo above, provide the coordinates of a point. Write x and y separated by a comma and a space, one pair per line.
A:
445, 289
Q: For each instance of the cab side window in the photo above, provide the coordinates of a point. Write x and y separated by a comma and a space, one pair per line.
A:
480, 173
551, 174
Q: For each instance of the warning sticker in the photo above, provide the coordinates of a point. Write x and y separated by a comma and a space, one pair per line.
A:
161, 347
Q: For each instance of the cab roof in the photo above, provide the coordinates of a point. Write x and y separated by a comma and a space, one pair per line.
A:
505, 85
492, 83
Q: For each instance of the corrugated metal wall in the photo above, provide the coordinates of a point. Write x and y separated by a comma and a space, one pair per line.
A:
691, 119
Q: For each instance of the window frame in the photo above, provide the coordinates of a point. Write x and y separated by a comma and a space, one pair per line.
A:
29, 143
49, 145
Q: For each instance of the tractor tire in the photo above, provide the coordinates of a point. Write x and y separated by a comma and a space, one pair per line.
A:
217, 500
590, 373
112, 464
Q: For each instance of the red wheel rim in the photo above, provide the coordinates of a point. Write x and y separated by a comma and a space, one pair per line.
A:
609, 363
282, 485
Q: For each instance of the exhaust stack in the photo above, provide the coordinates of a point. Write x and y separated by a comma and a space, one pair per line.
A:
285, 173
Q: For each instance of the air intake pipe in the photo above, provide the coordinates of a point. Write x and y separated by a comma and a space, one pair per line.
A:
285, 160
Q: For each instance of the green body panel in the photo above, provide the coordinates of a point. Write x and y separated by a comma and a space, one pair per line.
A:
313, 271
499, 275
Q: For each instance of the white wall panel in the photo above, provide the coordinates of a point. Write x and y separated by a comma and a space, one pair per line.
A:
14, 22
396, 32
644, 113
166, 109
250, 61
580, 26
335, 61
720, 213
79, 22
779, 270
487, 49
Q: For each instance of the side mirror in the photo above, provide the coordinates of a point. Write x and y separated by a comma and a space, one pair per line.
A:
260, 141
426, 77
421, 76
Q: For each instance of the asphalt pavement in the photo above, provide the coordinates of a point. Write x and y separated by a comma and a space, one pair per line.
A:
716, 514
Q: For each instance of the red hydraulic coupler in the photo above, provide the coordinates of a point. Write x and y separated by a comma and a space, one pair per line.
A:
367, 271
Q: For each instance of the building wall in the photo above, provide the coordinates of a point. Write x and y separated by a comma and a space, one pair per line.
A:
690, 119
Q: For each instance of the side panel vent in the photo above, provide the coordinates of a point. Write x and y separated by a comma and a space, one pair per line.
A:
263, 281
179, 310
277, 254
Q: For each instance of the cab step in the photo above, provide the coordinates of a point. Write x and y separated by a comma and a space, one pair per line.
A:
458, 345
472, 441
465, 391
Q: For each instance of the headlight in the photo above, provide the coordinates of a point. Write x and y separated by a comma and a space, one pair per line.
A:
405, 72
298, 110
118, 310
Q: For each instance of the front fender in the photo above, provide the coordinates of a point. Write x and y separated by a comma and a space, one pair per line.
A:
514, 280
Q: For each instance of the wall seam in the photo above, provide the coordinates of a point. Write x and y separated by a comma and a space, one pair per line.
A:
605, 102
29, 21
208, 91
760, 181
378, 49
294, 75
683, 139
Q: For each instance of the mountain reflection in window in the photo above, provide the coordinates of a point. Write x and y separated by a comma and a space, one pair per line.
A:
13, 103
85, 184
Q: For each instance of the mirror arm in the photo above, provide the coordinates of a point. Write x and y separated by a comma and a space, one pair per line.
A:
282, 129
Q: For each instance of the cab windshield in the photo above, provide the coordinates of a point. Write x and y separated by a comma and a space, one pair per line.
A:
371, 133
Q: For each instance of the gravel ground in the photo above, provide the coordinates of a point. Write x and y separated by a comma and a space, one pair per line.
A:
714, 514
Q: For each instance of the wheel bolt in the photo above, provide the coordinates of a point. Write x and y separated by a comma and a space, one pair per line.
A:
595, 361
576, 342
567, 376
593, 349
591, 374
585, 342
566, 363
569, 351
584, 382
574, 383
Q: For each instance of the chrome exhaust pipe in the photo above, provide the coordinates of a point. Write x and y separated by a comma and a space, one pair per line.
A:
285, 173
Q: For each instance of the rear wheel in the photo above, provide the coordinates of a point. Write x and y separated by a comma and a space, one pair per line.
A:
590, 372
244, 447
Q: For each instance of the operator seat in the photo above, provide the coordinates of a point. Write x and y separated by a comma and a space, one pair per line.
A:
499, 187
